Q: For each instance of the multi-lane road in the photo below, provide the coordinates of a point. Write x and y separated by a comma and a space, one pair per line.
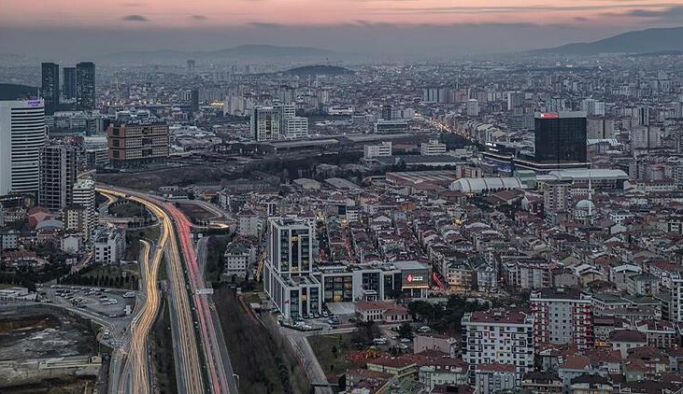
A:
191, 313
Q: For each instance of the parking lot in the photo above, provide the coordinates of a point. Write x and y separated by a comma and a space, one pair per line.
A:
106, 302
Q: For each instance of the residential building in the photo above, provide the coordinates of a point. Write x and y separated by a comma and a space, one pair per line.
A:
560, 137
85, 86
249, 224
137, 144
110, 245
432, 147
442, 343
49, 89
590, 384
57, 176
542, 382
472, 107
494, 378
84, 196
383, 149
557, 196
238, 258
22, 134
562, 316
499, 337
287, 273
443, 371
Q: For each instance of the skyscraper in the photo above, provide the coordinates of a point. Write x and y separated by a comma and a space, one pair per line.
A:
560, 137
265, 123
69, 85
194, 100
386, 112
22, 134
85, 86
84, 197
57, 176
49, 88
190, 68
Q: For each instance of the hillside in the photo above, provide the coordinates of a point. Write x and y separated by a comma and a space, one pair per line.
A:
661, 40
319, 70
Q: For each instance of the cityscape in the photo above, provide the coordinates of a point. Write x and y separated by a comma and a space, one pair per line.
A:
284, 214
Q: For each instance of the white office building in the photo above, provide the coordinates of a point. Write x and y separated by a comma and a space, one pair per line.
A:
295, 127
288, 272
431, 148
383, 149
22, 134
593, 107
110, 245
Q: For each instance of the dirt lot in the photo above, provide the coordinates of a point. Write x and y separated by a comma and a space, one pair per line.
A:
39, 335
196, 212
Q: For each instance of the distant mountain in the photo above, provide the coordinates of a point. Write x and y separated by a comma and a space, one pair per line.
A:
242, 51
10, 91
660, 40
318, 70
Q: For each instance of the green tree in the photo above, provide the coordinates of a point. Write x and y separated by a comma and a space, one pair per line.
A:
405, 331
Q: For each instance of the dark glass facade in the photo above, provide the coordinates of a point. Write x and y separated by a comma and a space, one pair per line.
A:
69, 89
560, 139
49, 89
85, 86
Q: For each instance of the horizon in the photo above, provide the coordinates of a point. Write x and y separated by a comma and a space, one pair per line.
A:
70, 28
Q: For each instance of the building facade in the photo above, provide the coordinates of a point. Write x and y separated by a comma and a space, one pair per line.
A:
49, 87
433, 147
383, 149
288, 269
22, 134
560, 137
562, 316
499, 337
265, 124
84, 196
136, 144
57, 176
85, 86
69, 83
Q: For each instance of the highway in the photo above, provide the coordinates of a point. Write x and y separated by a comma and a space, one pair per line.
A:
213, 354
188, 365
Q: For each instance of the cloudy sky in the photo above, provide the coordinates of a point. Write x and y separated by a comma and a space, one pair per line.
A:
76, 27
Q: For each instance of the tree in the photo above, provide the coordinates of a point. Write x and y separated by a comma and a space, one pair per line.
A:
405, 331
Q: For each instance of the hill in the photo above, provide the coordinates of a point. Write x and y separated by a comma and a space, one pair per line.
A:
319, 70
661, 40
10, 91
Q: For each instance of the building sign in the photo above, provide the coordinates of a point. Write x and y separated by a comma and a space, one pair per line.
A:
415, 278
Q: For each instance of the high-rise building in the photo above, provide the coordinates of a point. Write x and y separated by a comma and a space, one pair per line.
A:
557, 196
194, 100
69, 83
562, 316
49, 88
515, 100
385, 112
499, 337
190, 68
560, 137
137, 144
22, 134
593, 107
84, 197
292, 126
472, 107
85, 86
57, 176
265, 123
287, 274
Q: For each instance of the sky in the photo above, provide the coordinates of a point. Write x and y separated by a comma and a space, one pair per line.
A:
68, 28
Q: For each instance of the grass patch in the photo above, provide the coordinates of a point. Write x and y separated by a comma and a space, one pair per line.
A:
330, 350
259, 355
164, 362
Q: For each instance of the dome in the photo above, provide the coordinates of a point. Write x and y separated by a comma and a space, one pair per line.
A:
585, 205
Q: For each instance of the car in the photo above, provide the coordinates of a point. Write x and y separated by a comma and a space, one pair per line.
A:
316, 315
405, 340
325, 314
403, 346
